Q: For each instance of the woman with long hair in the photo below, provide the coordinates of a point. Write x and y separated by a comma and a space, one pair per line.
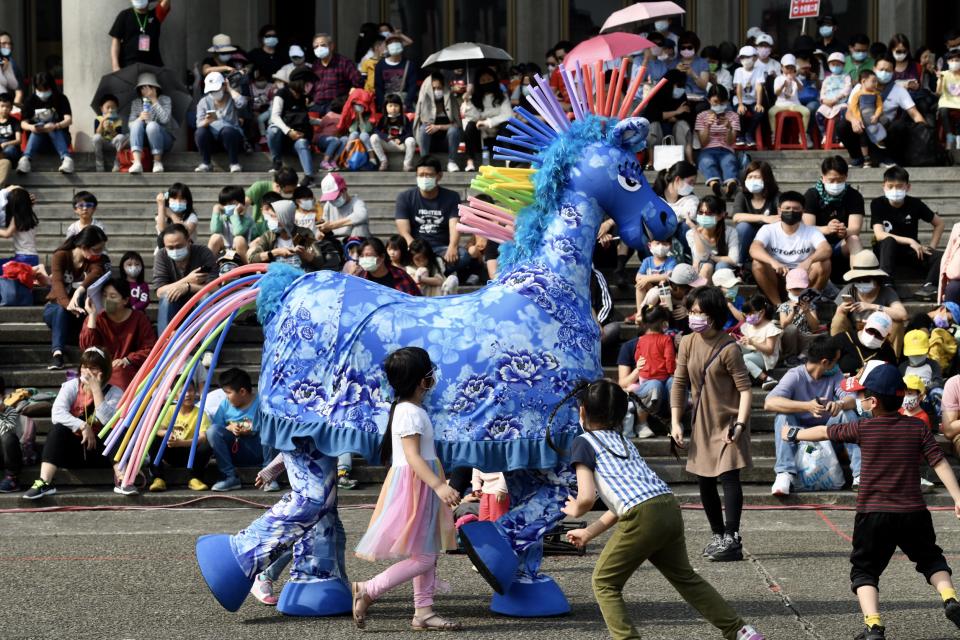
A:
483, 114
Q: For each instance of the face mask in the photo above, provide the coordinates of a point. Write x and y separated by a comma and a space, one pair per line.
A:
866, 413
834, 188
358, 108
718, 108
655, 51
526, 90
679, 92
661, 25
832, 371
684, 189
44, 95
698, 323
133, 271
551, 68
899, 57
112, 306
864, 287
953, 65
177, 206
178, 254
753, 185
748, 63
307, 205
687, 53
230, 209
732, 293
394, 48
911, 402
139, 4
427, 183
941, 322
753, 318
884, 77
790, 217
663, 57
660, 251
321, 52
271, 41
826, 31
438, 94
763, 52
713, 66
273, 224
339, 201
368, 263
836, 69
225, 57
895, 195
859, 56
869, 341
916, 361
5, 51
706, 221
217, 95
793, 297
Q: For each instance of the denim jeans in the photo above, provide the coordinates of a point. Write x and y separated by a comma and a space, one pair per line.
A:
12, 153
330, 145
59, 138
787, 451
345, 462
14, 294
662, 387
718, 164
276, 140
64, 325
746, 231
168, 311
453, 135
230, 137
159, 138
249, 451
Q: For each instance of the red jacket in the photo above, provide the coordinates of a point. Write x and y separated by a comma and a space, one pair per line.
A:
131, 339
660, 355
361, 97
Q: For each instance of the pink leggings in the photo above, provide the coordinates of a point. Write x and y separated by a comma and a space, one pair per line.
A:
422, 569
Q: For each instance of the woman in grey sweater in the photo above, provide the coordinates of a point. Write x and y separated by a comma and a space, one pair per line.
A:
151, 119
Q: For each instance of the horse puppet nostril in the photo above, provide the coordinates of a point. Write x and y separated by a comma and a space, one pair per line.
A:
663, 217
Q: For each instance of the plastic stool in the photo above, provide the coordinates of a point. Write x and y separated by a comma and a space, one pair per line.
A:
828, 135
782, 119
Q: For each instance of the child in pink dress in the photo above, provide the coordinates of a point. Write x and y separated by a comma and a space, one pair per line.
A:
413, 518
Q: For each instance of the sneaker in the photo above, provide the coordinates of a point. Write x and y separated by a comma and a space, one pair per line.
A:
227, 484
384, 165
127, 489
781, 486
197, 485
927, 291
809, 142
203, 167
235, 168
730, 190
473, 280
136, 167
271, 487
157, 166
749, 633
452, 167
856, 162
23, 166
855, 485
38, 490
717, 190
730, 549
9, 484
116, 166
262, 590
306, 181
344, 481
408, 166
644, 431
158, 484
951, 140
98, 167
470, 167
951, 609
876, 632
56, 363
741, 141
926, 486
275, 168
769, 383
711, 548
326, 165
66, 165
794, 361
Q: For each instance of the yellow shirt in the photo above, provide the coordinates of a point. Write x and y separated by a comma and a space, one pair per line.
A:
366, 69
950, 93
186, 421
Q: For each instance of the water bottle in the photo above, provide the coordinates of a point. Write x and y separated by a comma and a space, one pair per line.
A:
485, 157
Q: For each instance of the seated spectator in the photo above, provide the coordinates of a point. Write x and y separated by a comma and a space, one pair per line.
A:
835, 208
83, 405
367, 66
327, 136
75, 265
11, 454
681, 281
808, 73
290, 124
718, 72
226, 58
948, 88
768, 65
375, 265
866, 341
748, 95
713, 243
151, 121
431, 213
438, 118
85, 206
133, 270
135, 34
284, 183
126, 333
755, 205
917, 363
307, 214
298, 60
267, 58
395, 75
717, 129
655, 360
218, 121
16, 207
46, 116
695, 69
788, 244
177, 453
175, 206
483, 113
654, 270
834, 93
867, 291
670, 115
798, 317
399, 252
234, 432
427, 271
108, 133
9, 130
906, 70
675, 185
729, 283
828, 41
858, 58
11, 78
179, 271
913, 399
284, 241
786, 88
262, 91
808, 395
335, 74
895, 218
344, 215
358, 118
229, 224
760, 341
865, 108
393, 133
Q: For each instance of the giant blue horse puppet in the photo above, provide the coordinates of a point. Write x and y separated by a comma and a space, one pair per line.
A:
506, 355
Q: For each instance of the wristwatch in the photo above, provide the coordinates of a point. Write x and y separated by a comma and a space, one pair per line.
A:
792, 434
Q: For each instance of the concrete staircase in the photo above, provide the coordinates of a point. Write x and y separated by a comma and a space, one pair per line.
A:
127, 210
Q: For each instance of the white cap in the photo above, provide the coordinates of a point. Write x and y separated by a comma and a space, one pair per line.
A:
213, 82
747, 52
726, 278
836, 56
753, 32
296, 51
764, 38
789, 60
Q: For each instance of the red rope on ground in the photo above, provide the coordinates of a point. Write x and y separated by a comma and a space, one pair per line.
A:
175, 505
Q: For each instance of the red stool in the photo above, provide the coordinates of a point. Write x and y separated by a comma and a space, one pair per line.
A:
783, 118
828, 135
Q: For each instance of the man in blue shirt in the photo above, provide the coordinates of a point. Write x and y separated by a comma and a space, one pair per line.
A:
234, 435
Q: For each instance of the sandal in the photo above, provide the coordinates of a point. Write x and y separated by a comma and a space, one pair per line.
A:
438, 624
360, 595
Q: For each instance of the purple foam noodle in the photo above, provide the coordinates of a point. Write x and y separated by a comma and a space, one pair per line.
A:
552, 103
535, 98
568, 83
582, 90
533, 125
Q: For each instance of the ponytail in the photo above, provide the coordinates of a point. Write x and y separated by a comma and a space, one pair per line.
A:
386, 443
578, 389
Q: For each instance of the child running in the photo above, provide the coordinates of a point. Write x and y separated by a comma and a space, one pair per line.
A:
891, 512
651, 526
413, 517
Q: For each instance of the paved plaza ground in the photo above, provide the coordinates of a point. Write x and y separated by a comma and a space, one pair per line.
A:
116, 575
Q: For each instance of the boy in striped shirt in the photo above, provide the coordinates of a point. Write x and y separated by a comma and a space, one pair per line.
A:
891, 511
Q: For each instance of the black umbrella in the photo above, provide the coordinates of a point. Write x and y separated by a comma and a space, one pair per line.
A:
123, 85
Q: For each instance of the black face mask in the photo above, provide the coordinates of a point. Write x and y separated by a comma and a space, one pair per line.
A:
791, 217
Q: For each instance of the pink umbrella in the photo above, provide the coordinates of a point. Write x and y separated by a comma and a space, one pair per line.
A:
608, 47
641, 11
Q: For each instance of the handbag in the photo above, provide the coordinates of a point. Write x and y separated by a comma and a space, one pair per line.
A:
818, 468
667, 155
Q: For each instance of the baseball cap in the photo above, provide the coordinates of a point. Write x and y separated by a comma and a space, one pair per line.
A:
686, 274
885, 380
764, 38
916, 343
296, 52
331, 186
881, 322
726, 278
914, 382
788, 60
854, 383
954, 310
836, 56
797, 278
753, 32
213, 82
747, 52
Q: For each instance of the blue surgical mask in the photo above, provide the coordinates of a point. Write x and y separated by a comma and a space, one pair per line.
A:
44, 95
826, 31
864, 413
271, 41
836, 69
307, 205
679, 92
941, 322
178, 254
859, 56
661, 25
230, 209
5, 51
177, 206
321, 52
225, 57
884, 77
273, 224
832, 371
706, 221
718, 108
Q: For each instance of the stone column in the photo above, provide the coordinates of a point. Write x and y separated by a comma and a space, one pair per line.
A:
538, 29
901, 17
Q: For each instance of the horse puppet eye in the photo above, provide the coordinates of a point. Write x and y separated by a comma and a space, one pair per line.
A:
628, 183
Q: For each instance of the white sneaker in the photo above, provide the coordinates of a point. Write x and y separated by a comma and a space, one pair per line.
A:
452, 167
157, 166
644, 432
66, 166
206, 360
235, 168
781, 486
136, 167
748, 632
24, 165
203, 167
856, 481
926, 486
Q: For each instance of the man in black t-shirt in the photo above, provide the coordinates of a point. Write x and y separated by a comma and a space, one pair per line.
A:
895, 217
836, 209
431, 213
136, 34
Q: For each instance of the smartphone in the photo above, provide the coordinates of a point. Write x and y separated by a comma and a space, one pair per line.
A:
846, 297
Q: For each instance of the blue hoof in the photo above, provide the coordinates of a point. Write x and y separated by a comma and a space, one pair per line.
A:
221, 571
490, 553
539, 599
315, 598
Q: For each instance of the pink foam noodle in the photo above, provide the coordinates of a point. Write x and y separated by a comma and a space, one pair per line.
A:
475, 215
493, 232
493, 210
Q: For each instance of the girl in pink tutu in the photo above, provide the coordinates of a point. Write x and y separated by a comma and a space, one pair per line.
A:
413, 518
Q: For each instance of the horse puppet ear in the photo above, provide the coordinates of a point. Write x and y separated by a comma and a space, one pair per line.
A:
630, 134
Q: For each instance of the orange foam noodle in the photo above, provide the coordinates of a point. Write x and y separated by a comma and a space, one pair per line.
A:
646, 101
601, 87
608, 107
618, 97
